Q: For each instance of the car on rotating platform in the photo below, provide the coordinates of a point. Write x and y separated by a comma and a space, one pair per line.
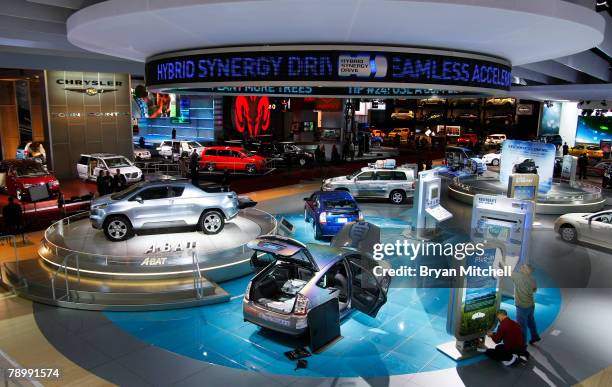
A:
163, 204
379, 180
593, 228
295, 278
18, 176
330, 211
460, 158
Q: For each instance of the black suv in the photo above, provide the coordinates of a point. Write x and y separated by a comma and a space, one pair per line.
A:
284, 153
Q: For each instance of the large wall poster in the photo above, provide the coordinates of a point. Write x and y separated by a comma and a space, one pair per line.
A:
515, 152
551, 118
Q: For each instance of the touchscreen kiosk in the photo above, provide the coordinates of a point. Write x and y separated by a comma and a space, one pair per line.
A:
429, 212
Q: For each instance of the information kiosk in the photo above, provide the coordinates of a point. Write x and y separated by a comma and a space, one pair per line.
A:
428, 212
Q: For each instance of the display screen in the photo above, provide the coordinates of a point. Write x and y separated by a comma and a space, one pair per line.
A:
496, 232
524, 192
551, 118
434, 193
181, 114
479, 296
328, 66
591, 130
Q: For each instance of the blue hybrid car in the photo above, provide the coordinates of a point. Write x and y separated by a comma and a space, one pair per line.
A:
329, 211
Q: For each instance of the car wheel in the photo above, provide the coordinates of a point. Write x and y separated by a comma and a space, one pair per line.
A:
317, 231
302, 161
117, 228
212, 222
250, 168
397, 197
474, 169
495, 162
568, 233
210, 167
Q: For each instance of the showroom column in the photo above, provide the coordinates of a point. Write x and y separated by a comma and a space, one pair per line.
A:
9, 135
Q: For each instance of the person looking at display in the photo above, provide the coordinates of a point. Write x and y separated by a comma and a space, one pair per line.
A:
12, 214
100, 184
174, 133
141, 142
119, 182
565, 149
510, 348
525, 287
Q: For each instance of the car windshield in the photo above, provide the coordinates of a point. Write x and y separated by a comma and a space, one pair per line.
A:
339, 204
117, 162
352, 175
126, 192
194, 144
31, 170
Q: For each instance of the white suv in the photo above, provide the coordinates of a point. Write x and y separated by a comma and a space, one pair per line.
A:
495, 139
90, 165
174, 148
379, 180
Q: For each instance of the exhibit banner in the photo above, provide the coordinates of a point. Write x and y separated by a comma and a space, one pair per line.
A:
569, 167
88, 113
329, 66
528, 157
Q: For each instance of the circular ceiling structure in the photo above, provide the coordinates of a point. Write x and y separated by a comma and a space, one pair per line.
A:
518, 31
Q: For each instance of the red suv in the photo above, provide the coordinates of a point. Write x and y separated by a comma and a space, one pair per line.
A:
468, 139
17, 176
230, 158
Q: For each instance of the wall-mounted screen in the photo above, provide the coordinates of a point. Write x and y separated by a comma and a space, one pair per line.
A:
591, 130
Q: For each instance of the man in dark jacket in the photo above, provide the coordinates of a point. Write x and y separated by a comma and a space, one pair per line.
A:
565, 149
13, 217
510, 348
101, 184
108, 183
119, 181
194, 162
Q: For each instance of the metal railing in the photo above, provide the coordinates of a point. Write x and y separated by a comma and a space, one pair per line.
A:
198, 280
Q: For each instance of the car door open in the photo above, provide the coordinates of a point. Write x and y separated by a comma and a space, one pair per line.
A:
368, 295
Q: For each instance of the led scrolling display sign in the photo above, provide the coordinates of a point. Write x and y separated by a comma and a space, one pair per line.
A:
334, 67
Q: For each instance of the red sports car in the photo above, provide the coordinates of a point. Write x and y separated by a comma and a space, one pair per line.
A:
17, 176
230, 158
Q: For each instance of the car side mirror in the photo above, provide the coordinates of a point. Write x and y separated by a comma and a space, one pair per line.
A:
139, 199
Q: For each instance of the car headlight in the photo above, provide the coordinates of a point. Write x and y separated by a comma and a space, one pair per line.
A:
100, 206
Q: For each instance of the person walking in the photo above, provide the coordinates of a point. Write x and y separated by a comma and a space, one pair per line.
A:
12, 215
510, 348
565, 149
174, 133
119, 181
525, 287
141, 142
100, 183
583, 163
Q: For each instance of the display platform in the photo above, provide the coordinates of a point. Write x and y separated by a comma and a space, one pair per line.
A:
402, 339
155, 254
563, 197
79, 268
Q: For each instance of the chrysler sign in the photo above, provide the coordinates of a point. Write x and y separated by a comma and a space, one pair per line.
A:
337, 66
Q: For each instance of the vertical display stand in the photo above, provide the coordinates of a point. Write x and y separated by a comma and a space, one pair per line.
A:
428, 212
503, 225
